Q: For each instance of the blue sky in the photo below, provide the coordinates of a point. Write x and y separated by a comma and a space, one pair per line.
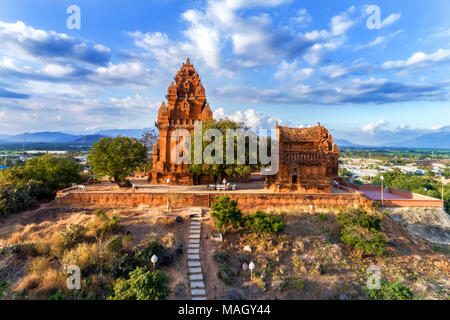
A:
262, 61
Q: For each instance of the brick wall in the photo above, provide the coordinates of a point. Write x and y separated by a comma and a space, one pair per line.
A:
247, 201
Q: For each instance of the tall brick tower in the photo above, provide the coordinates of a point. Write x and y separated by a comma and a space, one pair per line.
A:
186, 105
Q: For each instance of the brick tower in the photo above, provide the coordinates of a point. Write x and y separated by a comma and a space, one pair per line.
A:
186, 105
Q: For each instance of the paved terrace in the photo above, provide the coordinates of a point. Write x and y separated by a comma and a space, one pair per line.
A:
376, 195
142, 186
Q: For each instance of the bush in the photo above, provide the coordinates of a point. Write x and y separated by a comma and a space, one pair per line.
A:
261, 222
359, 218
226, 213
364, 240
110, 227
72, 236
142, 285
391, 291
361, 231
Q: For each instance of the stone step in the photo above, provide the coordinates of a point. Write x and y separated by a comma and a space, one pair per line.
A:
198, 292
194, 236
196, 227
195, 240
193, 251
196, 277
195, 270
193, 257
194, 264
198, 231
197, 285
194, 246
199, 298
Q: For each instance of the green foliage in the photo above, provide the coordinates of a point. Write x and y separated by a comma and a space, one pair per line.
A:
53, 171
57, 296
361, 231
261, 222
4, 285
115, 244
364, 240
40, 178
72, 236
425, 185
322, 216
299, 284
142, 285
391, 291
359, 218
110, 227
208, 167
226, 213
116, 157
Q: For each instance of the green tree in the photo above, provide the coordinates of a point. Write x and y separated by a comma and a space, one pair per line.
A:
226, 213
53, 171
116, 157
217, 169
142, 285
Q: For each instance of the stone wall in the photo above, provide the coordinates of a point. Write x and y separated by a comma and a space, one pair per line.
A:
247, 201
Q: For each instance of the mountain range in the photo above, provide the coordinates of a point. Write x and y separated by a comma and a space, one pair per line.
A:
437, 140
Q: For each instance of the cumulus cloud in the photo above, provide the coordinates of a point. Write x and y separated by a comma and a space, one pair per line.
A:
36, 43
419, 60
251, 118
374, 126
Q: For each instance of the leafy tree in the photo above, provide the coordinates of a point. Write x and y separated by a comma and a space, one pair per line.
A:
261, 222
116, 157
53, 171
226, 213
142, 285
222, 170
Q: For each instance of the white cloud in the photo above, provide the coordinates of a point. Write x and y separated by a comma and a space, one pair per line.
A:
251, 118
390, 19
419, 60
290, 70
374, 126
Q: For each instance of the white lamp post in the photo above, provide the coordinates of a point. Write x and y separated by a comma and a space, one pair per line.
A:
168, 190
245, 266
154, 260
251, 266
442, 192
382, 191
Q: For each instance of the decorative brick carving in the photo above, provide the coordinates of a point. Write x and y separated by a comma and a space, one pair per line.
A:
308, 160
186, 104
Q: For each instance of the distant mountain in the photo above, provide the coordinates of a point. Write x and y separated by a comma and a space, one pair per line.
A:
438, 140
47, 137
89, 139
133, 133
344, 143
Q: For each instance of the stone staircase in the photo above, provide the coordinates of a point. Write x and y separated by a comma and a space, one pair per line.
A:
197, 284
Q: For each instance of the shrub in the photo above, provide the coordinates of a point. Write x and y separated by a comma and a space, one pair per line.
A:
261, 222
226, 213
322, 216
299, 284
86, 256
361, 231
391, 291
115, 244
72, 236
364, 240
109, 227
358, 218
142, 285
